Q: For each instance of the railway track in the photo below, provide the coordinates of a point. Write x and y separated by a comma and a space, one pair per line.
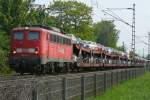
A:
16, 77
52, 76
32, 77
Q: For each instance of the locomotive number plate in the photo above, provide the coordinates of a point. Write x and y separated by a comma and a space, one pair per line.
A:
24, 50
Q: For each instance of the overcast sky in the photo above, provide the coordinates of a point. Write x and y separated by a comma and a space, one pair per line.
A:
142, 19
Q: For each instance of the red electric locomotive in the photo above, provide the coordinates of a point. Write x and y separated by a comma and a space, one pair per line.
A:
39, 49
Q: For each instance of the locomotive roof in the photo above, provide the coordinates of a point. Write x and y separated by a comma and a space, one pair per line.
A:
42, 29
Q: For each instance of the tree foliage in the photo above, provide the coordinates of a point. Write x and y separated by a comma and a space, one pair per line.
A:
4, 41
13, 13
106, 33
40, 16
121, 48
73, 17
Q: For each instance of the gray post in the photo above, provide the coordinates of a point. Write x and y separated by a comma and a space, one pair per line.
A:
34, 91
136, 73
64, 88
112, 79
126, 75
148, 46
117, 77
95, 84
82, 88
121, 74
105, 81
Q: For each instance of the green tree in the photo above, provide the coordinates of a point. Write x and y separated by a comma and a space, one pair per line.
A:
4, 51
73, 17
13, 13
121, 48
40, 16
4, 41
106, 33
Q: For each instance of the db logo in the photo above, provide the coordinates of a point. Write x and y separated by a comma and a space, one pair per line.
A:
61, 50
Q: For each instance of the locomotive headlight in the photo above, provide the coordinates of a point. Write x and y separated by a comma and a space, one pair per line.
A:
14, 52
36, 51
33, 50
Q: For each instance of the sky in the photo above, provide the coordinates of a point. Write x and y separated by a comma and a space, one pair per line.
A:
142, 19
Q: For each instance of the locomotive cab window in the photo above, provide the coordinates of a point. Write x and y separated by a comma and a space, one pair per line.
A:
18, 35
34, 36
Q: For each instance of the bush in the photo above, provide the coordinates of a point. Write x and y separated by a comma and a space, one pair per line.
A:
4, 52
4, 66
4, 41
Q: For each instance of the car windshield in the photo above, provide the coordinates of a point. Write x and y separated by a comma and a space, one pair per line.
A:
18, 35
33, 35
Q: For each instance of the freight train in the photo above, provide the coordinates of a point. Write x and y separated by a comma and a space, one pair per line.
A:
42, 49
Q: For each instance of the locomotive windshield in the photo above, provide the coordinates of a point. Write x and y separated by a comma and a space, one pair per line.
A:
18, 35
34, 35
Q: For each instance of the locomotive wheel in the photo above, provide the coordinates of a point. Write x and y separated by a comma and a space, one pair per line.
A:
45, 69
39, 70
21, 73
49, 68
52, 68
57, 68
65, 68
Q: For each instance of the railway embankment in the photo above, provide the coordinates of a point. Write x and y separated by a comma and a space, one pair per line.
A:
77, 86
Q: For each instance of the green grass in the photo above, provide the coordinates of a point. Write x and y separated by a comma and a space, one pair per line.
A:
136, 89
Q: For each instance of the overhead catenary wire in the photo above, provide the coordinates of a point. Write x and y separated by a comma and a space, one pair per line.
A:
141, 40
116, 18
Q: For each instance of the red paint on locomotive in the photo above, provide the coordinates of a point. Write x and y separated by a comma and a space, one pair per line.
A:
35, 45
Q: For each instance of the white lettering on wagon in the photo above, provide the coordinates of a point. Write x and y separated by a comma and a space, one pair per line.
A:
61, 50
